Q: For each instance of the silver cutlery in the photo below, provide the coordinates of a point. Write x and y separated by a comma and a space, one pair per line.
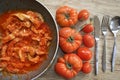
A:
114, 27
96, 35
104, 27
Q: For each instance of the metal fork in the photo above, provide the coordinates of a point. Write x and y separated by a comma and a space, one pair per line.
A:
104, 27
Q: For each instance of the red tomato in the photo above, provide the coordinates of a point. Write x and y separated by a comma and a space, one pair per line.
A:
88, 28
87, 68
70, 39
83, 14
68, 66
88, 40
66, 16
84, 53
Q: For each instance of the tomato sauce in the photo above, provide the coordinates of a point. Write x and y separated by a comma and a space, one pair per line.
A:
25, 41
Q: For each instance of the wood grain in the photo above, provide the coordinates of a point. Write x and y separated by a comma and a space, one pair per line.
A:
99, 8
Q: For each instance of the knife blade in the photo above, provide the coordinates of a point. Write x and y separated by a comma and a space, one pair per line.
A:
96, 35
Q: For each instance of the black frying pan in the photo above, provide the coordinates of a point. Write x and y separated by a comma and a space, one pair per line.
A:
33, 5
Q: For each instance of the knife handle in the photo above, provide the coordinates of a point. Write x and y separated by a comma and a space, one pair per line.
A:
96, 56
104, 55
113, 55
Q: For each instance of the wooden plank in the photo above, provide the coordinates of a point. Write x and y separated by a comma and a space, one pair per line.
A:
95, 7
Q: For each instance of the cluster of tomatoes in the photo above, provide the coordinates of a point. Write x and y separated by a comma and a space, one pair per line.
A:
75, 45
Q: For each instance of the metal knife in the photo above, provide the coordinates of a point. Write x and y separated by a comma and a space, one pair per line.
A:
96, 35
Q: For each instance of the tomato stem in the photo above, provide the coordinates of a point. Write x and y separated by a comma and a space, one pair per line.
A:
67, 15
91, 21
70, 39
68, 65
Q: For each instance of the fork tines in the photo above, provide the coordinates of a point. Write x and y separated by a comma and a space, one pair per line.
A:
104, 24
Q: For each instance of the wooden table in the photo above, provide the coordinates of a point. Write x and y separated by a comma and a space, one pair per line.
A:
99, 8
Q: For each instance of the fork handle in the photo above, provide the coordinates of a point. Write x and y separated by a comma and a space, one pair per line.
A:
113, 54
96, 57
104, 55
